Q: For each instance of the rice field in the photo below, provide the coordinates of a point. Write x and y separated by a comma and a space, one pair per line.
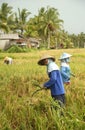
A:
21, 110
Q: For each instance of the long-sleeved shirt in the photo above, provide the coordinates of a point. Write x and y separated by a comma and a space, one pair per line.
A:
65, 72
55, 83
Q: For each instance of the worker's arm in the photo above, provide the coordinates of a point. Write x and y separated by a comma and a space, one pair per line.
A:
52, 80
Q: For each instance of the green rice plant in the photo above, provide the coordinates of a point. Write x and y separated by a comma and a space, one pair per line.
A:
19, 110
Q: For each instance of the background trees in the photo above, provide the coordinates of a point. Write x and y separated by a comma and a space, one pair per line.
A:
6, 18
21, 20
46, 26
78, 40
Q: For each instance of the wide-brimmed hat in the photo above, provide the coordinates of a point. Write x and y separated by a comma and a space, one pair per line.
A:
64, 56
6, 58
40, 62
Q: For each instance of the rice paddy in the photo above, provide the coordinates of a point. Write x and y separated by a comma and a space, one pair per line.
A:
19, 110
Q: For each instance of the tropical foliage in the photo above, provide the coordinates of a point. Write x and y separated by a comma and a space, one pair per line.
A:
78, 40
46, 25
21, 20
6, 18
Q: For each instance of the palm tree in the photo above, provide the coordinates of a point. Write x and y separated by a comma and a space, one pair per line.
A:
6, 18
81, 40
45, 25
21, 19
32, 27
48, 23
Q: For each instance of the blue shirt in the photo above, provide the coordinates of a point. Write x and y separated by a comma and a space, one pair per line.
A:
65, 72
55, 83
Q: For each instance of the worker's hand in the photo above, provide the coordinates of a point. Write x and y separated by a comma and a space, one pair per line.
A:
41, 86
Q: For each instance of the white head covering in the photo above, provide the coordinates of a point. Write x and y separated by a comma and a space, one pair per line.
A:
51, 66
64, 56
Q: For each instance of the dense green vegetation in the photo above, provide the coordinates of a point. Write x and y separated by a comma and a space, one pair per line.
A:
46, 26
19, 110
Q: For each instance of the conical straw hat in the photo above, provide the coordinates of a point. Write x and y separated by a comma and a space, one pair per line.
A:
40, 62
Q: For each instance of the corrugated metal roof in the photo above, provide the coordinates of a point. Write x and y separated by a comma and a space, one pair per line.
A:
9, 36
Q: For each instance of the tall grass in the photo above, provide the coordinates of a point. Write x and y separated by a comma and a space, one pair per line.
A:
19, 110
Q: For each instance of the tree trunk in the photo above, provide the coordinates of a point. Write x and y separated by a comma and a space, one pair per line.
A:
84, 44
49, 40
56, 43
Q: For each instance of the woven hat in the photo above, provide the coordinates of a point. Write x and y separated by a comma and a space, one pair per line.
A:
64, 56
6, 58
40, 62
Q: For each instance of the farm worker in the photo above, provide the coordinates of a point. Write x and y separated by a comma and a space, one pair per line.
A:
65, 68
55, 83
8, 60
